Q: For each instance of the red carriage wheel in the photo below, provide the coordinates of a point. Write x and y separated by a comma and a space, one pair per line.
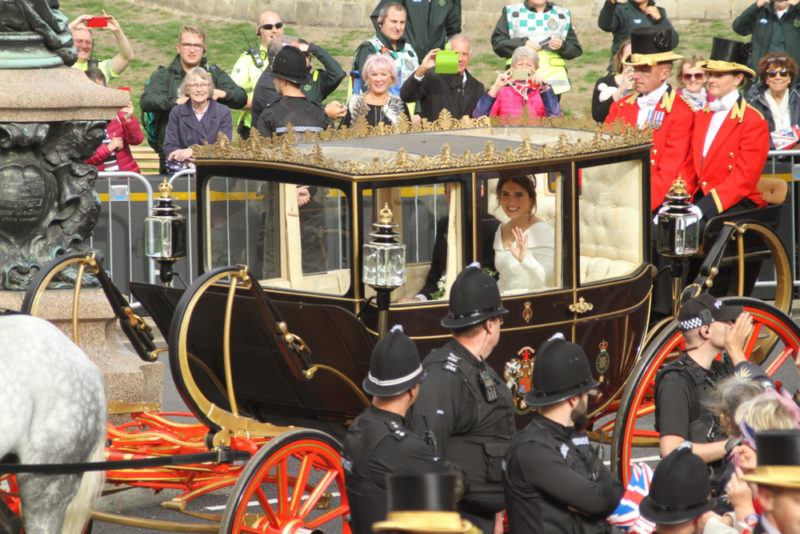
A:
294, 481
775, 339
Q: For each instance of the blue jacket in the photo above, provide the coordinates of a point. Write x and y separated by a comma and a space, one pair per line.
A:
184, 130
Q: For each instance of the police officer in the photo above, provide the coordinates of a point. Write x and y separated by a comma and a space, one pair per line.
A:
554, 479
378, 443
463, 402
708, 326
290, 71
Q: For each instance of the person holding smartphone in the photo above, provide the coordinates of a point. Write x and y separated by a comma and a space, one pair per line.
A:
520, 88
84, 42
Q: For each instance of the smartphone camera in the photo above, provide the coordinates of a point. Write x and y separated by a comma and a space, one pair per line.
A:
97, 22
521, 75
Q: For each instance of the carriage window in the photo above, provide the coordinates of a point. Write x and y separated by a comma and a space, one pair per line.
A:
610, 208
292, 236
428, 223
511, 206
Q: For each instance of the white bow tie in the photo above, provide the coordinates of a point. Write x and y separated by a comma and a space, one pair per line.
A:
648, 101
717, 105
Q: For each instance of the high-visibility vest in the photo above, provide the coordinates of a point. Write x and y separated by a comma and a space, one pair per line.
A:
522, 22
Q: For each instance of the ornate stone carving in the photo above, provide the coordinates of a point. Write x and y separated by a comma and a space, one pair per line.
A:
48, 204
34, 34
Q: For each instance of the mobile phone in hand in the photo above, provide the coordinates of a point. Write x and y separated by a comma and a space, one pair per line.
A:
545, 41
97, 22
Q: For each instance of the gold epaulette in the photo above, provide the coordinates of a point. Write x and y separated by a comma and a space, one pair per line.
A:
632, 99
737, 111
668, 99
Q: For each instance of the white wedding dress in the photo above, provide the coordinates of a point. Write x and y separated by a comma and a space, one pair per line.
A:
536, 270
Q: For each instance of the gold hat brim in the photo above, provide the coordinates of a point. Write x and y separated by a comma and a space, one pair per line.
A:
715, 65
424, 521
635, 60
783, 476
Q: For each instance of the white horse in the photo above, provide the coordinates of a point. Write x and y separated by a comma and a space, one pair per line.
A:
52, 410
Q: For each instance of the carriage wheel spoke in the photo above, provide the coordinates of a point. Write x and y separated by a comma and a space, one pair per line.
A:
300, 485
282, 484
315, 495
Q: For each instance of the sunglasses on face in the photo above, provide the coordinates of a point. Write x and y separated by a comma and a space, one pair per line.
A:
783, 72
693, 76
277, 26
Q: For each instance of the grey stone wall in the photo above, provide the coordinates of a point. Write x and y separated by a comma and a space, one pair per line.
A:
477, 14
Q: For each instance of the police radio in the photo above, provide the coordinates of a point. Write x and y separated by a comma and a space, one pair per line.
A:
488, 384
253, 50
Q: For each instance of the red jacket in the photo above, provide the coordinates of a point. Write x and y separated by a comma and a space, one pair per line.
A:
669, 157
733, 165
131, 134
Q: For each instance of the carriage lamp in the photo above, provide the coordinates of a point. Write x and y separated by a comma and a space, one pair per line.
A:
165, 233
384, 267
678, 223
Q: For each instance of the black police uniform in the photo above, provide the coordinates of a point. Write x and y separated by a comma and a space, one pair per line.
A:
303, 114
683, 385
551, 467
378, 444
470, 430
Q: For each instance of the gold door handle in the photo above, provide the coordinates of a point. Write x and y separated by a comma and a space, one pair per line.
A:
581, 306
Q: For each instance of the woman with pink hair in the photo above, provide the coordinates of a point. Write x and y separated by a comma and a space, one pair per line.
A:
377, 105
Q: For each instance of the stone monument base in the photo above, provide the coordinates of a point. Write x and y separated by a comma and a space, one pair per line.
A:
130, 382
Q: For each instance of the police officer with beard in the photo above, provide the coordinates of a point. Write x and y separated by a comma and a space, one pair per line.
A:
378, 443
554, 479
463, 402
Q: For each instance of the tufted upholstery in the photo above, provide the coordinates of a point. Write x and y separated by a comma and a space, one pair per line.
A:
610, 221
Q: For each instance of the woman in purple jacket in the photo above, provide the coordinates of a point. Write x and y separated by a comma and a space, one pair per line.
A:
197, 118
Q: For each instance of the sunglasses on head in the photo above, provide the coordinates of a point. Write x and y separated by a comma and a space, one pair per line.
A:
693, 76
277, 26
782, 59
772, 73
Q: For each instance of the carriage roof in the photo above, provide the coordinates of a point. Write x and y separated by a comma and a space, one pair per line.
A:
445, 146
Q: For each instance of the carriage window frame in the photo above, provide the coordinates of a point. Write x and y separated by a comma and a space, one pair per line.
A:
332, 203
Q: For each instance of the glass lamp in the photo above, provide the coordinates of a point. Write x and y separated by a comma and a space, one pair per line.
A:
384, 266
165, 233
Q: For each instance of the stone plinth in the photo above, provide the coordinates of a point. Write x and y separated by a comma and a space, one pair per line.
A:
127, 377
59, 94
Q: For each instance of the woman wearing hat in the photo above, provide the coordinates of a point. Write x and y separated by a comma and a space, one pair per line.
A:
775, 97
731, 139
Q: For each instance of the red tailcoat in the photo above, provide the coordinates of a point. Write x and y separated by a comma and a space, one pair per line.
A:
669, 157
733, 164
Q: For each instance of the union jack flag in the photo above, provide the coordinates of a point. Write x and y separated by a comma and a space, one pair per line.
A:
626, 516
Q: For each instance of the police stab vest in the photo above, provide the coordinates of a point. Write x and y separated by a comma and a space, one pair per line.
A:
524, 23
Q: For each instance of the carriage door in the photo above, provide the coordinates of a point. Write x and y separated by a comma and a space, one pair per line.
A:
612, 296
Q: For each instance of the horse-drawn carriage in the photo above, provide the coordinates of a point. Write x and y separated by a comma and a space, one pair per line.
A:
284, 337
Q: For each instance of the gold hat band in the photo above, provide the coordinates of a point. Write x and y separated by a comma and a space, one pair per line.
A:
784, 476
715, 65
651, 59
428, 521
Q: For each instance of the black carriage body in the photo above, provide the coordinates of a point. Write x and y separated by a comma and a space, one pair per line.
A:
593, 188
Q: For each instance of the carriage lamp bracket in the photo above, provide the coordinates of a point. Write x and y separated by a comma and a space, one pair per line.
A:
165, 233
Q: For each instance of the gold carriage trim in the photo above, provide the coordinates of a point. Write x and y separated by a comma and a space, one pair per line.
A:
285, 149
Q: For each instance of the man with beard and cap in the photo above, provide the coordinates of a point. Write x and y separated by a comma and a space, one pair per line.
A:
464, 402
679, 501
378, 443
777, 475
554, 479
655, 104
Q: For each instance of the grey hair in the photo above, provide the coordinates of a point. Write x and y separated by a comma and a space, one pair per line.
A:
277, 43
461, 37
196, 72
525, 52
391, 5
730, 394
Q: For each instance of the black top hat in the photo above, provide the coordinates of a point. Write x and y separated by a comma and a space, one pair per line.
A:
680, 491
394, 366
705, 309
474, 297
290, 64
778, 464
425, 503
560, 371
651, 45
728, 55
